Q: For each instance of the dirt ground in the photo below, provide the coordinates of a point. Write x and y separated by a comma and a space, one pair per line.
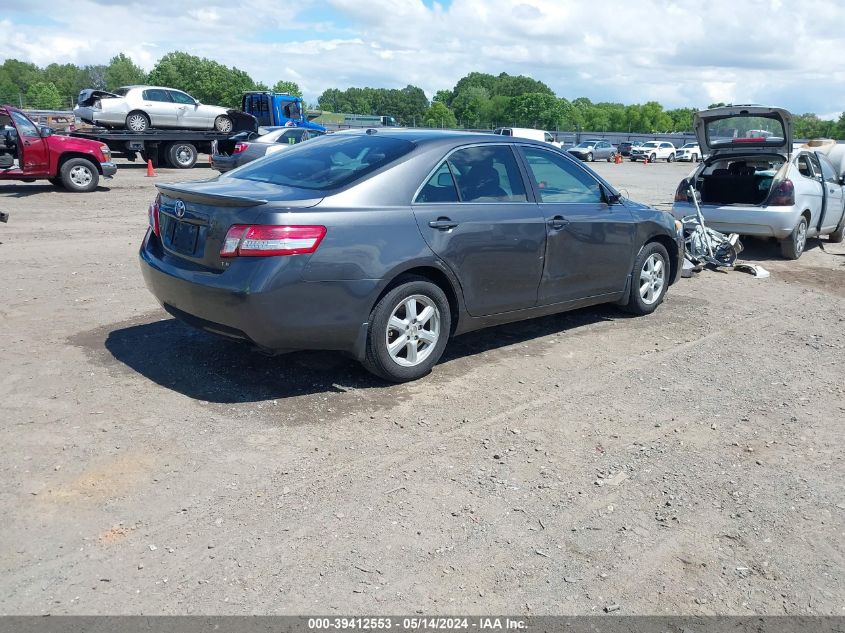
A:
689, 462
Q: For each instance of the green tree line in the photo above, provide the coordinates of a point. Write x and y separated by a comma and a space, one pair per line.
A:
478, 100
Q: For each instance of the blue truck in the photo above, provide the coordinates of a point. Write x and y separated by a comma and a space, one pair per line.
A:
274, 108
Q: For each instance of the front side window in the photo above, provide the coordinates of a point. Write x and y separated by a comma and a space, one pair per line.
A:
828, 172
24, 125
326, 163
558, 180
181, 97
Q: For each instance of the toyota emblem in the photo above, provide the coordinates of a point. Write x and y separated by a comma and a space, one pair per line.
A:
179, 208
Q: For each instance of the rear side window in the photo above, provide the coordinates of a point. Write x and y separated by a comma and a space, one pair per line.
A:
803, 164
558, 180
485, 173
328, 162
155, 94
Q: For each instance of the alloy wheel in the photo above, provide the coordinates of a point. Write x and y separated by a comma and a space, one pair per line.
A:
652, 279
413, 330
80, 176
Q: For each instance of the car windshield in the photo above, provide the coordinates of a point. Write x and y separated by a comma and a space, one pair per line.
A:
325, 163
689, 145
587, 144
743, 129
650, 144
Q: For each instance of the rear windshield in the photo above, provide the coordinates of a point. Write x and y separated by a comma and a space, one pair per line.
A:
739, 130
327, 162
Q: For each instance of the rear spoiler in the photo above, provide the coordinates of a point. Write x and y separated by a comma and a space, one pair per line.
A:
175, 191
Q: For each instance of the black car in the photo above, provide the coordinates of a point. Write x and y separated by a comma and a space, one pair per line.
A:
386, 243
232, 153
624, 148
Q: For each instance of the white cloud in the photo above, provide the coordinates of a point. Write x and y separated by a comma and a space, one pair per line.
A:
673, 52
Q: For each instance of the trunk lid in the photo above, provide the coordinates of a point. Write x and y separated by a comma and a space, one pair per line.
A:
88, 96
743, 128
195, 216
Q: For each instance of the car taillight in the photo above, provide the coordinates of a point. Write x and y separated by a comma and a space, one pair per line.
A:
260, 240
153, 213
682, 192
239, 147
782, 195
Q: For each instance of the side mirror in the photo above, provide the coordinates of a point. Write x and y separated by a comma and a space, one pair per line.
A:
842, 180
611, 198
44, 132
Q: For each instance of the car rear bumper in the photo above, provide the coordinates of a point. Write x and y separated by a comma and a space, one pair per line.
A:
269, 306
223, 163
777, 222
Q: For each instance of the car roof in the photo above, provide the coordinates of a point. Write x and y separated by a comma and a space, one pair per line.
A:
424, 136
134, 86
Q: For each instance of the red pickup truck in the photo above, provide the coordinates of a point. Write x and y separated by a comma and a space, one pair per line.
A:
29, 153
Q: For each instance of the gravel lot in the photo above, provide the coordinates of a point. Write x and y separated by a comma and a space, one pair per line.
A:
689, 462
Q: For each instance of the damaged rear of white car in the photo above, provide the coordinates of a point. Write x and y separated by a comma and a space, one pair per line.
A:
752, 182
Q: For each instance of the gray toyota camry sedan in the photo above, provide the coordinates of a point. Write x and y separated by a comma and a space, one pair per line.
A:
385, 243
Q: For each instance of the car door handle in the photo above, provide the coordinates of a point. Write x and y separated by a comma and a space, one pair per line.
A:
443, 224
558, 222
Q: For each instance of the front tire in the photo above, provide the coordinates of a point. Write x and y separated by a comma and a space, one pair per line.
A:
137, 121
670, 158
649, 279
694, 158
652, 158
794, 245
590, 157
56, 182
223, 124
79, 175
409, 329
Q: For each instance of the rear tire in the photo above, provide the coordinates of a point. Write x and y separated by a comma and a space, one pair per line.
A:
79, 175
409, 329
649, 279
794, 245
182, 155
137, 121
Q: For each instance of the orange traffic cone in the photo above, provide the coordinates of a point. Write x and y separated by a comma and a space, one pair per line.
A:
618, 159
645, 160
151, 173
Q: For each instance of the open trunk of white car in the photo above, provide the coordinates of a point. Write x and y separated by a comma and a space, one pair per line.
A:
739, 179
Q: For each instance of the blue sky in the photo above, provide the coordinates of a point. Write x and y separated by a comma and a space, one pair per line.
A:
673, 52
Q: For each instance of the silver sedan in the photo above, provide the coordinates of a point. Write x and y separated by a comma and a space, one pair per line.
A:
138, 108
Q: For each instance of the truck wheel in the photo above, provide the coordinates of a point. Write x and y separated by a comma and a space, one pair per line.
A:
182, 155
223, 124
837, 236
137, 121
79, 175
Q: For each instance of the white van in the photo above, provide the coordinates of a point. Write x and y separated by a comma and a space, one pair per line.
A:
527, 132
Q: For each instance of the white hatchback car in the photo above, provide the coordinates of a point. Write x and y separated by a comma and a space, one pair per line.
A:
754, 183
654, 150
138, 108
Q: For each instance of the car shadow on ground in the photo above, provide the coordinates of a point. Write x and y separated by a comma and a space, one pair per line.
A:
763, 250
205, 367
26, 190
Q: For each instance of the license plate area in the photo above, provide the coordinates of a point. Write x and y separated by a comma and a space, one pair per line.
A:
181, 237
